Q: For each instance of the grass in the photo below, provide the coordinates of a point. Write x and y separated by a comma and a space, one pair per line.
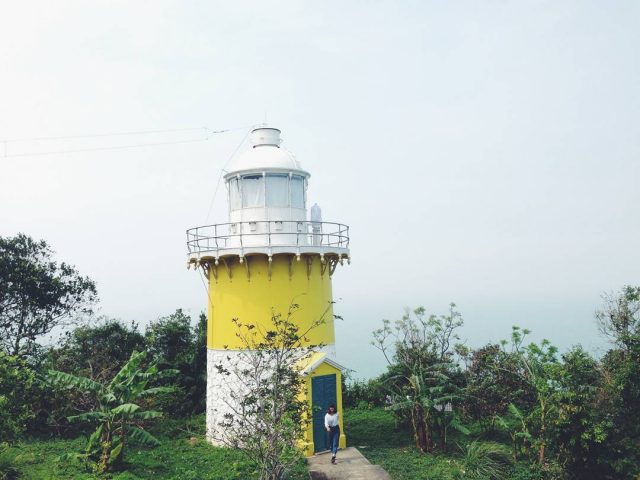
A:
183, 455
384, 442
377, 435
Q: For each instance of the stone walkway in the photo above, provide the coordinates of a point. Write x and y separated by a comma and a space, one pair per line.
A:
350, 465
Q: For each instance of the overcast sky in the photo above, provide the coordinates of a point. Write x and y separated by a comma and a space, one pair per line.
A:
485, 153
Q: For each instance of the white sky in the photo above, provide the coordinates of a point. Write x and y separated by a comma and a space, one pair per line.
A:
482, 152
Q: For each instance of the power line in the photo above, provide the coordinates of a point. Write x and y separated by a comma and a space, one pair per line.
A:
207, 132
115, 134
222, 170
98, 149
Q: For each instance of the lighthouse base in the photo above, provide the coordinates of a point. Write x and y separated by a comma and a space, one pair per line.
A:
222, 388
219, 390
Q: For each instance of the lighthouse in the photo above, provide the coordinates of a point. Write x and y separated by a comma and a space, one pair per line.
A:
274, 250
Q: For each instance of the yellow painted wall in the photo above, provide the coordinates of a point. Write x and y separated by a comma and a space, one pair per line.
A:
324, 369
252, 296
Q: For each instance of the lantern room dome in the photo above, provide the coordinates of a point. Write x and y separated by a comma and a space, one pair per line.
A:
265, 155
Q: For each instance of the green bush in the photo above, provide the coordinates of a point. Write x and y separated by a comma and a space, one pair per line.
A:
547, 471
365, 394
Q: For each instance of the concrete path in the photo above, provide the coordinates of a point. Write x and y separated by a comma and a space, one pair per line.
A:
350, 465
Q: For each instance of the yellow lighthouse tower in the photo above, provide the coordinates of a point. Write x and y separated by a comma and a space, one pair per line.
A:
270, 254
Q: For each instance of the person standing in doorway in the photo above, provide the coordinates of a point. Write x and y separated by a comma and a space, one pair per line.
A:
333, 427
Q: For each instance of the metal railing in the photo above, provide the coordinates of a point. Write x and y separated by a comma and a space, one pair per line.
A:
261, 234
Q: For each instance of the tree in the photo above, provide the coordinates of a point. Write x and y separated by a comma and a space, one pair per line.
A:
538, 366
199, 364
492, 385
169, 339
176, 346
267, 415
619, 318
579, 429
36, 292
118, 417
97, 351
420, 350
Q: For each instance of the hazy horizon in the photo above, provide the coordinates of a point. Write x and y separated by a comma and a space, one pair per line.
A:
481, 153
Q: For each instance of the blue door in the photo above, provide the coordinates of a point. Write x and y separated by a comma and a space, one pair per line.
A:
323, 393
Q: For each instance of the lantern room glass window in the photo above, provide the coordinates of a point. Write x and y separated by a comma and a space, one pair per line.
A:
277, 193
253, 191
270, 190
235, 199
296, 189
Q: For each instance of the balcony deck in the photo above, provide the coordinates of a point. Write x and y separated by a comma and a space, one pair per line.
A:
240, 239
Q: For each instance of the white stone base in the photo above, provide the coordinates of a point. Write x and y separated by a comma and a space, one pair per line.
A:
220, 385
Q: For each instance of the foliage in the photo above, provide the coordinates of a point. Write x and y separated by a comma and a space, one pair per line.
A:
267, 416
419, 349
486, 461
36, 292
17, 388
119, 419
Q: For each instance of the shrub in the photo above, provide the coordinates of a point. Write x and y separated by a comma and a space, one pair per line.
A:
119, 418
486, 461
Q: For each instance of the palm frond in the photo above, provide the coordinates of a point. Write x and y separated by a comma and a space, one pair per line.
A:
128, 371
125, 409
67, 380
116, 453
157, 391
139, 435
147, 415
455, 424
94, 439
87, 417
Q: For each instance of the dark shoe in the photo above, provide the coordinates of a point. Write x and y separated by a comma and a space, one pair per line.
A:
333, 460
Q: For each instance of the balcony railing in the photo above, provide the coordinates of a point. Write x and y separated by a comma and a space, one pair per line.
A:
246, 236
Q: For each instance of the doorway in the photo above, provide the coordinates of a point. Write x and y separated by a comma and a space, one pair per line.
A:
323, 393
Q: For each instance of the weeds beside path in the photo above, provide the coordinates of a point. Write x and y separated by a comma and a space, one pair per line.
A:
182, 455
375, 433
384, 442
